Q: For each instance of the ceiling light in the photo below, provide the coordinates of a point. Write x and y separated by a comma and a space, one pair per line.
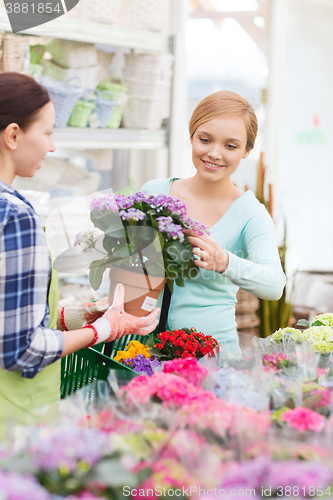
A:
235, 5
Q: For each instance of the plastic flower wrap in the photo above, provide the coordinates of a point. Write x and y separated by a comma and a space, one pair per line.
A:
143, 231
184, 343
14, 486
301, 419
270, 479
187, 368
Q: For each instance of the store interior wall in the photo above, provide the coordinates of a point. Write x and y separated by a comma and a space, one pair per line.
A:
302, 139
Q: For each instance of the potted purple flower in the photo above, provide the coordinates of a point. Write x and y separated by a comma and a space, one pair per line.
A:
142, 240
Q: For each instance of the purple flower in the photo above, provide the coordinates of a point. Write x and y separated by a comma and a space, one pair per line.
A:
14, 486
142, 365
263, 472
86, 237
107, 202
166, 224
132, 214
68, 447
194, 225
174, 204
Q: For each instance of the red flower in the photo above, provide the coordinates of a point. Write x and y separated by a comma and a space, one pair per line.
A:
159, 346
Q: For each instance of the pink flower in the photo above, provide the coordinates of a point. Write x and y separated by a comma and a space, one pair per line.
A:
188, 368
326, 397
303, 419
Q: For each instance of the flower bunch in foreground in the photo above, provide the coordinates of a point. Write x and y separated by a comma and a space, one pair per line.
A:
185, 343
143, 230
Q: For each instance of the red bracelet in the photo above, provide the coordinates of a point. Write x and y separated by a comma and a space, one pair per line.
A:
95, 337
62, 318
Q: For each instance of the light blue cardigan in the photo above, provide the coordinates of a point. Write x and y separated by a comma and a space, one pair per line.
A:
207, 302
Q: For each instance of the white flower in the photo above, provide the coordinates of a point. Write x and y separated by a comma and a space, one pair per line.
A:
326, 318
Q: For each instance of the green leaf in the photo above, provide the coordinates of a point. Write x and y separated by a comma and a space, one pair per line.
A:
303, 322
96, 276
118, 235
109, 221
177, 253
179, 281
121, 252
317, 323
170, 284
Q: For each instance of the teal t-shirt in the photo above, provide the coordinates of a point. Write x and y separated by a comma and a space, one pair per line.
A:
207, 302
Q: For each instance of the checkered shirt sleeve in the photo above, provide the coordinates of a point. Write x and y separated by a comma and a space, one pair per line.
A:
26, 342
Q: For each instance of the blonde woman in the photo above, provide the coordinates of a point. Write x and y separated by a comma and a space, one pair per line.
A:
241, 251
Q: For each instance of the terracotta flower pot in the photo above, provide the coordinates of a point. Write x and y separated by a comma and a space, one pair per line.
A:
139, 299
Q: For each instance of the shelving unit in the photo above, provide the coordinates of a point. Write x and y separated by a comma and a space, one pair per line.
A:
153, 153
80, 30
87, 138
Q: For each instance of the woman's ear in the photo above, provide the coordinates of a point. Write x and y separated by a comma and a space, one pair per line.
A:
10, 136
246, 154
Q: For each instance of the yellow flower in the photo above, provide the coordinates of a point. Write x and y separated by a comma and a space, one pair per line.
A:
132, 349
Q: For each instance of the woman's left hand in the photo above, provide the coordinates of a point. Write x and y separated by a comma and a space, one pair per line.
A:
212, 256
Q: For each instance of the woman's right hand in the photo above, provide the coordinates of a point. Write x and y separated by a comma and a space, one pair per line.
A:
115, 322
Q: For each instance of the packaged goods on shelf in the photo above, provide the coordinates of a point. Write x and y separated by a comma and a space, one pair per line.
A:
70, 54
88, 76
64, 96
15, 53
82, 111
101, 11
144, 14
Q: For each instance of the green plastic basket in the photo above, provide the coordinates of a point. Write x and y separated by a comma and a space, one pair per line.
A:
88, 365
82, 111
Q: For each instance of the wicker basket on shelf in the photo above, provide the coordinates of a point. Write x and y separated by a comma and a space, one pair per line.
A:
104, 107
115, 85
15, 53
64, 96
100, 11
148, 79
144, 14
88, 76
246, 317
104, 60
70, 54
155, 66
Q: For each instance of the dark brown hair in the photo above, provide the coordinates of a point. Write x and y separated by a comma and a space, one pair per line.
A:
225, 103
21, 97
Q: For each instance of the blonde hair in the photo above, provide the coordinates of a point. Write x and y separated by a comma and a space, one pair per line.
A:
225, 103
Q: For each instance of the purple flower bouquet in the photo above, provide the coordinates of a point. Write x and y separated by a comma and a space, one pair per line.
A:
143, 232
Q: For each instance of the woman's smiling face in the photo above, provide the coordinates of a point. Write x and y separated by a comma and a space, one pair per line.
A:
218, 146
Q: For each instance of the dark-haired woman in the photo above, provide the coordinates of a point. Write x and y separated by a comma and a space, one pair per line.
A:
31, 329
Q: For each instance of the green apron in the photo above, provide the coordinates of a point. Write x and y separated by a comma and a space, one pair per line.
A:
32, 401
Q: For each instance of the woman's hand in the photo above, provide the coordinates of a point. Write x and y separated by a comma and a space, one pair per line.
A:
212, 256
74, 317
116, 322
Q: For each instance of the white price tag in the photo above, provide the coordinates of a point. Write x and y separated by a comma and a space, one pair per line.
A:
149, 304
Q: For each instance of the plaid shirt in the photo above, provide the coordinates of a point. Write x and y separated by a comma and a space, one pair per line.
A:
26, 342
